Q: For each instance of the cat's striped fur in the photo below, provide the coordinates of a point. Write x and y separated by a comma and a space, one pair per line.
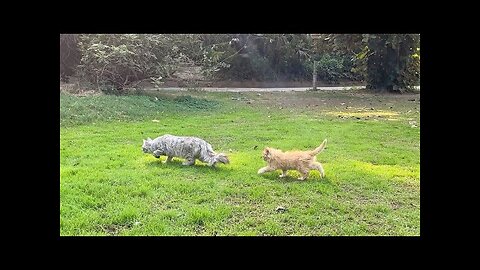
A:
189, 148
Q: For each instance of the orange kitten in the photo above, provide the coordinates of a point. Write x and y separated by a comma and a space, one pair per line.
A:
302, 161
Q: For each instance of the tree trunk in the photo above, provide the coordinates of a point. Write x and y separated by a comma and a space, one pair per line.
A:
314, 76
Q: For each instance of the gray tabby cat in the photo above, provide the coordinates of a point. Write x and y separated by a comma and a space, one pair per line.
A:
189, 148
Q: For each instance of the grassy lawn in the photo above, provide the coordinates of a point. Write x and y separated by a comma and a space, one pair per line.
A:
108, 186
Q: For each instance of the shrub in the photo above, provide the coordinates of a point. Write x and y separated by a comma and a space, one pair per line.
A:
113, 62
330, 68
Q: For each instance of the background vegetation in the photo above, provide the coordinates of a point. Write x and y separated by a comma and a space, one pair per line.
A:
114, 62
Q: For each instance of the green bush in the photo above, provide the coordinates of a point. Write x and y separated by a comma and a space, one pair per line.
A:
330, 68
113, 62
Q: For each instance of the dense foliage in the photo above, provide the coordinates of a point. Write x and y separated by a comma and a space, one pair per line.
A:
391, 61
117, 61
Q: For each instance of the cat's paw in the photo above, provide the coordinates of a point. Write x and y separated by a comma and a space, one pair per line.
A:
157, 154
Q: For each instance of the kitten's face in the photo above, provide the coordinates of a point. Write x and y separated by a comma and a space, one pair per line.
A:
266, 154
146, 145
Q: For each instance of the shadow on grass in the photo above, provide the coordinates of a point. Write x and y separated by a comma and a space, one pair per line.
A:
294, 179
200, 166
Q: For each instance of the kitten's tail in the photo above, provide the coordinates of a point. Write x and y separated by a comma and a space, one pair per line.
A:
221, 158
319, 149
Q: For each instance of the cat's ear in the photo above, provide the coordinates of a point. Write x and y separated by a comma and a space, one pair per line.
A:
148, 139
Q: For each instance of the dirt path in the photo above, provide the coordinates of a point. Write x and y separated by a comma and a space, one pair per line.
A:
262, 89
259, 89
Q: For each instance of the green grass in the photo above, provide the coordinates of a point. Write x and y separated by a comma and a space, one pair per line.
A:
108, 186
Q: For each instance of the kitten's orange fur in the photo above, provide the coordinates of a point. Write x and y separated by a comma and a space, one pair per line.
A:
302, 161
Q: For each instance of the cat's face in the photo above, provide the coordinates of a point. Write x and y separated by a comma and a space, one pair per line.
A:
147, 145
267, 154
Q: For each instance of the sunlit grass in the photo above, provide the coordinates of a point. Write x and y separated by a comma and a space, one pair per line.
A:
364, 113
108, 186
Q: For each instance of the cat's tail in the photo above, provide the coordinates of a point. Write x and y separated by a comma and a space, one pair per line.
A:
319, 149
221, 158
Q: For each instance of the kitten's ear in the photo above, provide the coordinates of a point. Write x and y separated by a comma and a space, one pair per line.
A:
148, 139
